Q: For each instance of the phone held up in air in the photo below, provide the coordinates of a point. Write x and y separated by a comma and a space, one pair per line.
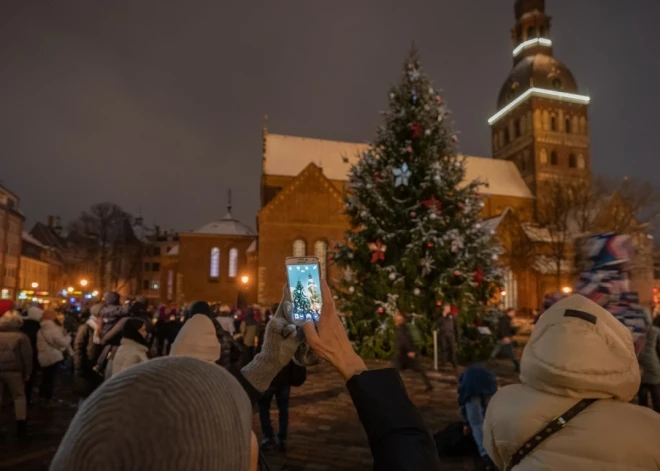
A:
304, 278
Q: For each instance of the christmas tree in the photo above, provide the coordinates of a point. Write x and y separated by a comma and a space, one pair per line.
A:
417, 240
301, 304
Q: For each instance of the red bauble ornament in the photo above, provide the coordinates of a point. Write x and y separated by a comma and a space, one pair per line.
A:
377, 251
438, 100
438, 303
457, 273
429, 245
416, 128
380, 310
413, 214
478, 276
454, 311
378, 177
460, 205
433, 205
454, 139
409, 149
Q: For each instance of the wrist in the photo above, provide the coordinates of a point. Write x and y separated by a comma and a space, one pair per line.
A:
350, 366
260, 372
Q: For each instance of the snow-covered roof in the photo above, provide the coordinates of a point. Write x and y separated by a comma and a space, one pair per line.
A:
252, 248
548, 266
227, 226
537, 233
174, 250
27, 237
289, 155
491, 224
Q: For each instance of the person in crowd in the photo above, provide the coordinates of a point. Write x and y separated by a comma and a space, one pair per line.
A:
86, 350
226, 320
30, 327
448, 336
161, 330
476, 386
536, 315
249, 327
172, 326
649, 362
132, 348
579, 374
15, 362
219, 436
405, 356
110, 325
52, 343
505, 339
140, 309
280, 388
197, 338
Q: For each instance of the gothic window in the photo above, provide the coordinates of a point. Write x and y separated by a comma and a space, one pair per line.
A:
299, 248
568, 126
575, 125
516, 129
546, 120
583, 125
553, 123
580, 162
554, 159
531, 33
507, 135
572, 161
233, 262
523, 125
214, 271
321, 252
543, 156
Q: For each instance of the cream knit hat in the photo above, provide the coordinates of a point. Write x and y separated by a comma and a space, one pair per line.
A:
197, 339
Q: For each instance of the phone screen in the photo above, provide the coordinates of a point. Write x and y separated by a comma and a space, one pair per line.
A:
305, 287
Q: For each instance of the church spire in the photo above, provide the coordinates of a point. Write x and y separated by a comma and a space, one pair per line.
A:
228, 216
531, 33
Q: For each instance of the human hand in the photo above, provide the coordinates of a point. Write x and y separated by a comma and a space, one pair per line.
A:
411, 355
331, 341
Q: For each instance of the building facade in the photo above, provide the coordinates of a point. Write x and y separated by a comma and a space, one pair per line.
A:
154, 281
11, 230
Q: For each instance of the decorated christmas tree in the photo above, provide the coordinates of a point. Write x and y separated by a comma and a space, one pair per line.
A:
301, 302
417, 239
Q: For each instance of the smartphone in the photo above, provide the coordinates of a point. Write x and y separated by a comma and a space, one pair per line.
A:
304, 277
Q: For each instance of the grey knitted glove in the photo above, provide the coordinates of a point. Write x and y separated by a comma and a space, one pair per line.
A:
280, 343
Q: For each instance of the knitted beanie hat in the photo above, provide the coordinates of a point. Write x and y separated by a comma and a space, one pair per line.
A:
197, 339
203, 409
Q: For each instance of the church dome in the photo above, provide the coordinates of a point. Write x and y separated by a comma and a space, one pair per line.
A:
539, 71
227, 226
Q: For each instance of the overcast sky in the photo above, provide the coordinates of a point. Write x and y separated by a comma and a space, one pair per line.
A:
158, 105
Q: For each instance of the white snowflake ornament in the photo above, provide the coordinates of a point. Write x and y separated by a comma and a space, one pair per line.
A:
392, 276
402, 175
417, 291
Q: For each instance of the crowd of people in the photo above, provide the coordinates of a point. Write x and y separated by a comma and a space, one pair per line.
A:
579, 366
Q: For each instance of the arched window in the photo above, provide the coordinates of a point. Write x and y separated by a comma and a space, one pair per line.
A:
233, 262
580, 162
575, 125
543, 156
299, 248
583, 125
214, 272
568, 126
321, 252
554, 159
507, 135
523, 125
516, 129
546, 120
531, 33
553, 123
572, 161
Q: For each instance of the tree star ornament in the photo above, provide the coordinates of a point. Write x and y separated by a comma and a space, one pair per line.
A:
414, 74
402, 175
377, 251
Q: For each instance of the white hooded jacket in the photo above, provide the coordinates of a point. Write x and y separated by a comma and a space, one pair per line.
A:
578, 350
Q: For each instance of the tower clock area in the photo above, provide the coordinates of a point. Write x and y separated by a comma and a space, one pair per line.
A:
542, 121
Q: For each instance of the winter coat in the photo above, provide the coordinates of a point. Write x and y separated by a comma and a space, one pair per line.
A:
128, 354
51, 342
475, 381
109, 317
197, 339
15, 348
649, 360
447, 326
249, 331
86, 349
30, 327
227, 323
403, 341
504, 328
577, 351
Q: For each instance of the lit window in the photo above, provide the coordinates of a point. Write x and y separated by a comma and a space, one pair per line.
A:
299, 248
321, 252
233, 262
170, 284
580, 162
546, 120
575, 125
554, 159
215, 262
572, 161
155, 284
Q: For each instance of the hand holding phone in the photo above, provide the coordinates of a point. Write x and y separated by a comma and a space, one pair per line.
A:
304, 278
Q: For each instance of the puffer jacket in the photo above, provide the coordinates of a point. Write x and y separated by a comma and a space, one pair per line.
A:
130, 353
578, 350
52, 341
15, 348
649, 360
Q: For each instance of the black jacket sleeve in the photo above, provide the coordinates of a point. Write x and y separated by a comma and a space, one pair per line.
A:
250, 390
398, 438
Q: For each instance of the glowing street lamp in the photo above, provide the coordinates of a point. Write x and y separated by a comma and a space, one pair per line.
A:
70, 289
95, 293
245, 279
567, 290
83, 283
35, 285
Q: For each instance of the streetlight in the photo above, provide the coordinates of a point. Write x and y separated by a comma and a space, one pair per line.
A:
567, 290
245, 279
242, 293
35, 285
95, 293
83, 283
70, 289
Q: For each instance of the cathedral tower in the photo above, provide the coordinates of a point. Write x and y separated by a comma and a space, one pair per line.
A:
541, 122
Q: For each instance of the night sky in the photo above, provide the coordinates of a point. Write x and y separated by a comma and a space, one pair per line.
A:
158, 105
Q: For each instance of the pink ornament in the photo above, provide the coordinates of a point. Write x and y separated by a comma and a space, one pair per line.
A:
438, 100
430, 245
413, 214
457, 273
454, 139
380, 310
409, 150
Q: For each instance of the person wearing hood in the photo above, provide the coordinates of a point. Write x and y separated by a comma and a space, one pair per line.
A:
132, 348
197, 338
52, 342
15, 362
249, 329
30, 327
86, 350
110, 326
140, 310
226, 320
572, 410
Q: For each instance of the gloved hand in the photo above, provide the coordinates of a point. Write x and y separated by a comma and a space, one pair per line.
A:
280, 343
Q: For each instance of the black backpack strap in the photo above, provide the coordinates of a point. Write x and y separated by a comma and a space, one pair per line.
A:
550, 429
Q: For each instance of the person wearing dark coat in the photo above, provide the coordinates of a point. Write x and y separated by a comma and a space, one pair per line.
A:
405, 356
505, 335
475, 388
30, 327
139, 309
448, 336
86, 350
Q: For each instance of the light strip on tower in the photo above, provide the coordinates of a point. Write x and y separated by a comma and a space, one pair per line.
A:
563, 96
531, 43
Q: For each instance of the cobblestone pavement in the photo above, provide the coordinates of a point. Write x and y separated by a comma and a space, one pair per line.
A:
324, 431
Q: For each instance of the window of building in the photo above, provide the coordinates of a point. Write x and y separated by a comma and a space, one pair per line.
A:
581, 162
321, 252
145, 284
170, 284
568, 126
155, 267
299, 248
233, 262
516, 128
156, 251
523, 125
531, 32
572, 161
554, 159
583, 125
553, 123
507, 136
155, 284
214, 271
147, 267
11, 204
575, 125
545, 118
